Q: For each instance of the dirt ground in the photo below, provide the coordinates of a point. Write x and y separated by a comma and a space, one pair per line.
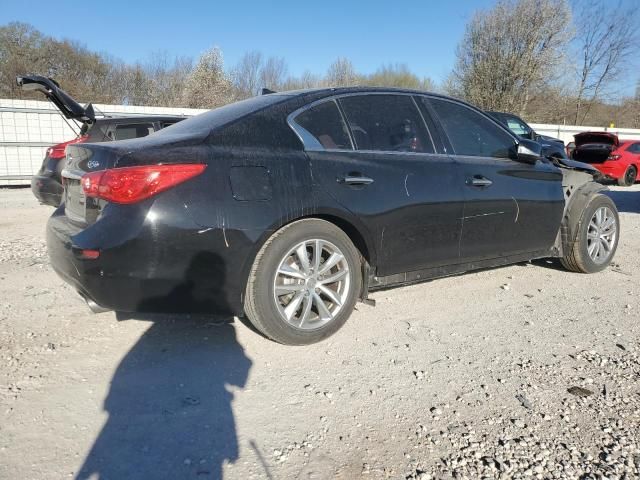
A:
461, 377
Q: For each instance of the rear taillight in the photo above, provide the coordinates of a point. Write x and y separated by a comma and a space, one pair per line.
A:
613, 157
60, 150
133, 184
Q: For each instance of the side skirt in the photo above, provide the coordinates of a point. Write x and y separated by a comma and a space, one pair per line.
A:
378, 283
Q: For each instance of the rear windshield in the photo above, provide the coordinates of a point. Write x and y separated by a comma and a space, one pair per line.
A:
207, 121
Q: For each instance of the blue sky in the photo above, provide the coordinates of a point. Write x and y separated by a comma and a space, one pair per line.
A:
309, 35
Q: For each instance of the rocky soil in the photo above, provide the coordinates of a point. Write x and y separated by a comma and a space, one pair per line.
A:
526, 371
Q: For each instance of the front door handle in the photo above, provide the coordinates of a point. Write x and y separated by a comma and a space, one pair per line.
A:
479, 181
355, 180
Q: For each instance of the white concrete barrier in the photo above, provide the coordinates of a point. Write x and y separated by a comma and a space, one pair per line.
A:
566, 132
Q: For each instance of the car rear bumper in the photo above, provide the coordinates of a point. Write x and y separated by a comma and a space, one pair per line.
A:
611, 169
148, 268
47, 189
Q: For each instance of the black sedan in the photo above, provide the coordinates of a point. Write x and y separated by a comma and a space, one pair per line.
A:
290, 207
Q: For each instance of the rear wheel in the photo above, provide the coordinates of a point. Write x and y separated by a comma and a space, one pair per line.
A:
596, 239
304, 283
629, 177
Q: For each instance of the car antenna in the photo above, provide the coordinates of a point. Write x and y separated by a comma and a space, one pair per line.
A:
266, 91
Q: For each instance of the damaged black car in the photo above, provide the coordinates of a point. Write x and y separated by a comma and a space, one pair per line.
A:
288, 208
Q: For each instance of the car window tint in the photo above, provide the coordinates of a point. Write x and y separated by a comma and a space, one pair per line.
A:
635, 148
135, 130
386, 123
325, 124
471, 133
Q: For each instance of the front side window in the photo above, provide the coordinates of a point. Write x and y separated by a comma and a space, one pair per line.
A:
324, 123
135, 130
471, 133
386, 123
517, 127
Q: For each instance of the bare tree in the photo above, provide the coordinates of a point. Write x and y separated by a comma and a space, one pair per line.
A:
398, 75
167, 78
606, 38
246, 74
306, 80
208, 85
341, 73
509, 50
273, 73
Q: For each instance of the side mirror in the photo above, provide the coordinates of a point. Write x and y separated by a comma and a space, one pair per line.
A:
528, 151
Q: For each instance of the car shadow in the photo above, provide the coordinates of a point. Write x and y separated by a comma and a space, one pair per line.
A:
170, 400
626, 200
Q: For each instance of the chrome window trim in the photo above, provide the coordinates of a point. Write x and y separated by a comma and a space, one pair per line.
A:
385, 152
313, 145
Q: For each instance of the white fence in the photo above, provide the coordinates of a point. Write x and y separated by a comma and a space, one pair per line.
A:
28, 127
566, 132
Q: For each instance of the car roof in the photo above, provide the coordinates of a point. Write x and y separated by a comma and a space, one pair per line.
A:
330, 91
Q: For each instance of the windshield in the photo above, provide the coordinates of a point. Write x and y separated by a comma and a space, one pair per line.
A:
204, 123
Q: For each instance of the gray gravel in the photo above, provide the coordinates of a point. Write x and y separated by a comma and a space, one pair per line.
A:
526, 371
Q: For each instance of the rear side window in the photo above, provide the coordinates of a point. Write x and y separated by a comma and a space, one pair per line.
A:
471, 133
135, 130
324, 123
386, 123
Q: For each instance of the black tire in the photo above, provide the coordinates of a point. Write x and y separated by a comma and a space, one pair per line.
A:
260, 302
577, 258
629, 177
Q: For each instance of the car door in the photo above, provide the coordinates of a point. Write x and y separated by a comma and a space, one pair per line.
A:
510, 207
375, 155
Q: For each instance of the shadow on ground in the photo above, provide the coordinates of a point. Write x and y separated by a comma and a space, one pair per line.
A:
626, 200
169, 405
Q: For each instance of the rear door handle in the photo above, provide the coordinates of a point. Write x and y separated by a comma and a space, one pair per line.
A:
355, 180
479, 181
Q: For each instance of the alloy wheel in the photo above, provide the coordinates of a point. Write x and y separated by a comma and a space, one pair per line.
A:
601, 235
311, 284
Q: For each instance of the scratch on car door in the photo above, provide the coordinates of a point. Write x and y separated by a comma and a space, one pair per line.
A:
517, 210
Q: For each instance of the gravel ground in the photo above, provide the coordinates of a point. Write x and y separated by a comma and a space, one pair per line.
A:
526, 371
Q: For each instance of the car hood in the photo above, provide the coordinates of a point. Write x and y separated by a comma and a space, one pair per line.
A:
596, 137
575, 165
551, 139
61, 99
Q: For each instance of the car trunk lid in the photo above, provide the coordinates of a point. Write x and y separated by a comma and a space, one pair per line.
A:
594, 147
93, 157
61, 99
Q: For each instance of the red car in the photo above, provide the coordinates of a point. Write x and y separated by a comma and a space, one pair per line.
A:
616, 160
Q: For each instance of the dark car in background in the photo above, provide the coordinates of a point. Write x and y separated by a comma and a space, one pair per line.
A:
290, 207
551, 147
46, 184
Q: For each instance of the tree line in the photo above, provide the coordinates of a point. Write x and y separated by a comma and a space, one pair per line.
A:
545, 60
